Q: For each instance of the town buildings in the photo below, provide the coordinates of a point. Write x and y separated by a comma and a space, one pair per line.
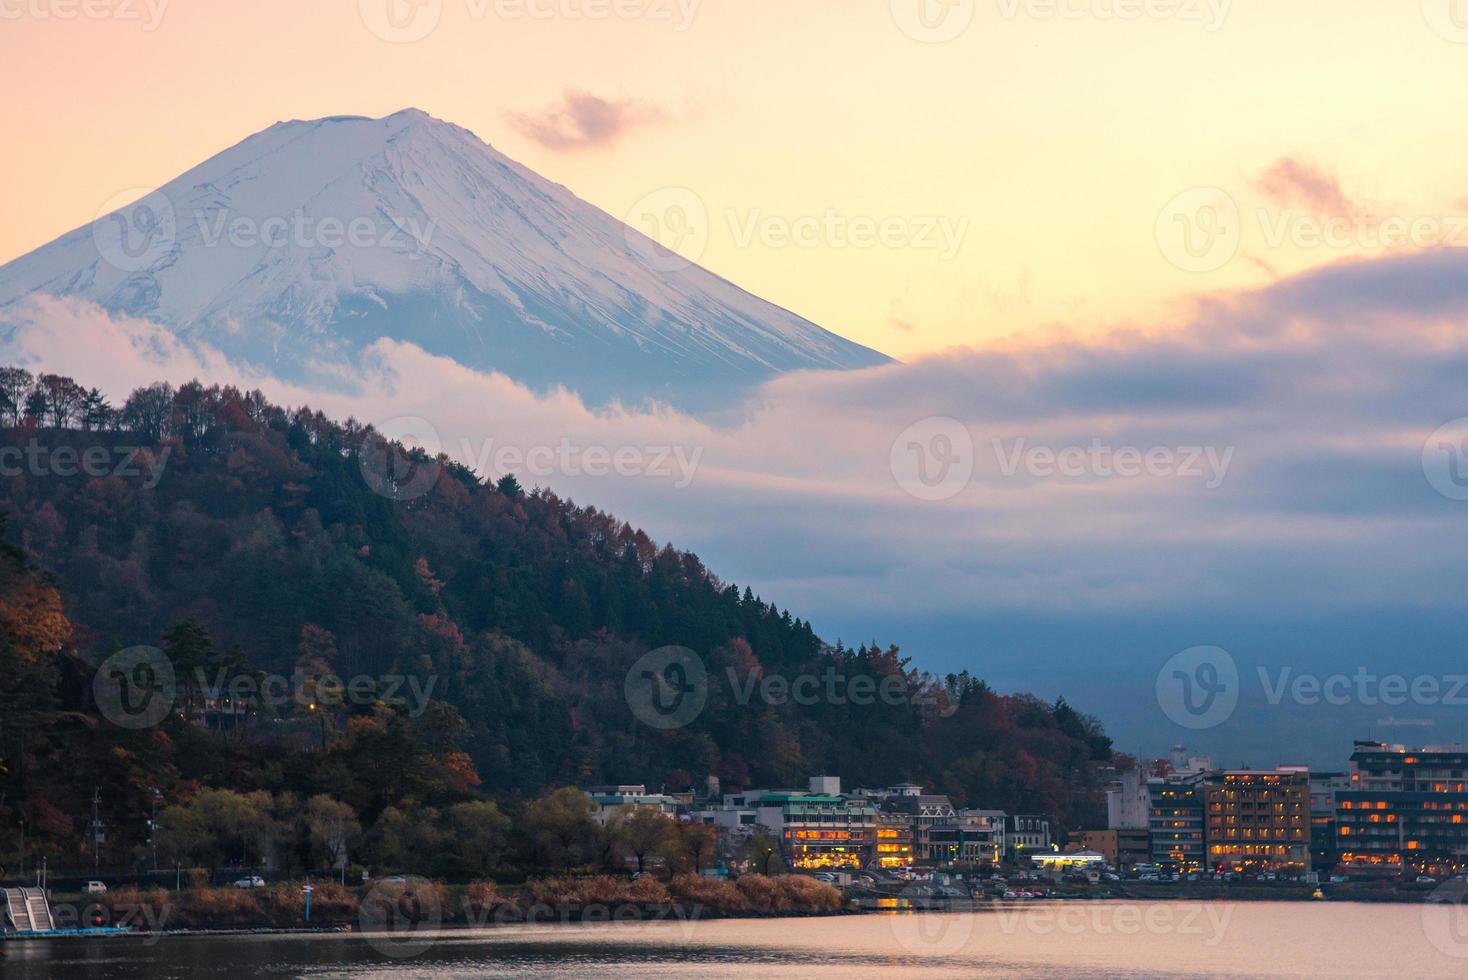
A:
1122, 848
1397, 810
1175, 823
1404, 809
1258, 820
629, 797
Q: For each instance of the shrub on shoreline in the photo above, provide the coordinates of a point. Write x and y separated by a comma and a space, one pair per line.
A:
282, 906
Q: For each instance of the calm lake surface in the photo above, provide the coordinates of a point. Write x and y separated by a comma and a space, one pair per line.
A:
1075, 939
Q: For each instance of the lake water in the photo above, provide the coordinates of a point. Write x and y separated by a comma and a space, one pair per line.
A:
1090, 939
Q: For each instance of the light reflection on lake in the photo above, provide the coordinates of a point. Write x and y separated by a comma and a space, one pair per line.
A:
1075, 939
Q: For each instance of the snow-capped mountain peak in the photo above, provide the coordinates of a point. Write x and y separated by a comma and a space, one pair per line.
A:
312, 239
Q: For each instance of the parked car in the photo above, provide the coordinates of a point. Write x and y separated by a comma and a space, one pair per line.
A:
250, 881
95, 888
1426, 880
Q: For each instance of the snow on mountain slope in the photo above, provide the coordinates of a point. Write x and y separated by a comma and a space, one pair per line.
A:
308, 241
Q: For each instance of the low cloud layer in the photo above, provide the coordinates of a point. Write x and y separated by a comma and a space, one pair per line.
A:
582, 121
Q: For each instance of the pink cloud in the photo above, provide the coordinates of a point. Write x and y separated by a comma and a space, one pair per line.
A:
1289, 181
582, 120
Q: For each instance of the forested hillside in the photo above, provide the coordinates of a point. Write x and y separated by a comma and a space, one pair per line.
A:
249, 538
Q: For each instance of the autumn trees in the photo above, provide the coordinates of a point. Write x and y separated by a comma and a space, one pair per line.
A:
263, 546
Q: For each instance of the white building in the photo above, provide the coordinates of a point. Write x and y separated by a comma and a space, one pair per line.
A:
1129, 802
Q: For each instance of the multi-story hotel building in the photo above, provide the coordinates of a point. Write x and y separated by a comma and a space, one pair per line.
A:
816, 828
894, 839
1405, 809
1258, 820
1175, 822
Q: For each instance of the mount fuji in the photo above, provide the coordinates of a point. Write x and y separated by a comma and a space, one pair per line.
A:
299, 247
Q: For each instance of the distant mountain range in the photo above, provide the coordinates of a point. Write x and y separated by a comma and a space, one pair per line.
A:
307, 242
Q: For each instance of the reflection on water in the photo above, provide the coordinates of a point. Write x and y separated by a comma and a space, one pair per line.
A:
1076, 939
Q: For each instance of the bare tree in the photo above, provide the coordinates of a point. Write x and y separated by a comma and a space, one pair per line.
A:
63, 398
15, 382
147, 410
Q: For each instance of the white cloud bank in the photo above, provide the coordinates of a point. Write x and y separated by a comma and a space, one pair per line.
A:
1265, 453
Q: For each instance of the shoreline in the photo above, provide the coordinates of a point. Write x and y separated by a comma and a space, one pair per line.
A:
864, 905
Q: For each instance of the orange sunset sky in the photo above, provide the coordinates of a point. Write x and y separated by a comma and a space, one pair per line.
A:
1050, 140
